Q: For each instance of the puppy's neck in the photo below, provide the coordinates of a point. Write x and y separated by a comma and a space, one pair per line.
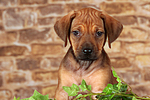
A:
84, 64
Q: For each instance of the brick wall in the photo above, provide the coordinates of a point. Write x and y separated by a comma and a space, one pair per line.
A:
30, 51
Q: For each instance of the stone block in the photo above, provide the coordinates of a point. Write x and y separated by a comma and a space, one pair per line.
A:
22, 2
146, 73
136, 47
25, 92
16, 18
12, 50
34, 35
1, 11
143, 60
15, 77
141, 90
134, 33
118, 7
76, 6
8, 3
146, 6
28, 63
45, 76
7, 64
5, 94
45, 49
1, 80
120, 62
115, 47
131, 77
50, 90
8, 37
50, 63
127, 20
51, 9
46, 21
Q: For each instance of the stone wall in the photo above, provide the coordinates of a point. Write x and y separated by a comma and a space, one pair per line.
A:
30, 51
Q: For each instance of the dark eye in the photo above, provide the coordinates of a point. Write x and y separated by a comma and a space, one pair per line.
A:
76, 33
99, 33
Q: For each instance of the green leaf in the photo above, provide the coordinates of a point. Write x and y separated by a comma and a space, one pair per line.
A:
134, 98
37, 96
74, 86
108, 89
80, 95
84, 86
111, 96
72, 91
16, 98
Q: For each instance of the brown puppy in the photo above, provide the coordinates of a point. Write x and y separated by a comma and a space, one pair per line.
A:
87, 30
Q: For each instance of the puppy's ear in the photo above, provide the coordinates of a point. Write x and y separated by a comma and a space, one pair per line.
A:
113, 27
62, 26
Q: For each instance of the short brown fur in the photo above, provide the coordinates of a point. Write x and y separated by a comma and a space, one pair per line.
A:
87, 30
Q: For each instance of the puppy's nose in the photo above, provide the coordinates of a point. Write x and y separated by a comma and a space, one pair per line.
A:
87, 51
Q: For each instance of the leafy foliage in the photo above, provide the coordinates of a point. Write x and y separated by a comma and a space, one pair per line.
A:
117, 91
36, 96
120, 91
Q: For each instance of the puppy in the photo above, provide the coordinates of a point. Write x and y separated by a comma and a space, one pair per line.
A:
87, 30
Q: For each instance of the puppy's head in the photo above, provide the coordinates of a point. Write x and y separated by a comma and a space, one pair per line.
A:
87, 30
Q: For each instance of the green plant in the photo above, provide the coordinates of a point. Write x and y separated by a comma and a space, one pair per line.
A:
36, 96
120, 91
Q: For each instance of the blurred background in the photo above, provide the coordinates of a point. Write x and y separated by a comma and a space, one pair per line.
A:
30, 50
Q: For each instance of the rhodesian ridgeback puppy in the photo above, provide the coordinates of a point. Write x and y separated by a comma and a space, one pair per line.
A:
87, 30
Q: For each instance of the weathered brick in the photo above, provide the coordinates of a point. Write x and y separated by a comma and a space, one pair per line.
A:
45, 76
50, 63
1, 11
76, 6
143, 60
126, 76
28, 63
127, 20
117, 7
5, 94
136, 47
46, 21
143, 20
141, 90
1, 80
15, 77
146, 6
8, 3
146, 73
120, 62
33, 2
45, 49
51, 9
134, 33
25, 92
115, 47
18, 18
12, 50
7, 64
8, 37
50, 90
34, 35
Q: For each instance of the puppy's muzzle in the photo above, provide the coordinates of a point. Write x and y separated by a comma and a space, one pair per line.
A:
87, 52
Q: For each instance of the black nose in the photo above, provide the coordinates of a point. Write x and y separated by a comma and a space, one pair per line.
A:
87, 51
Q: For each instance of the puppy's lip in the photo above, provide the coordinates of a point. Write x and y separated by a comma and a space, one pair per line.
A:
87, 59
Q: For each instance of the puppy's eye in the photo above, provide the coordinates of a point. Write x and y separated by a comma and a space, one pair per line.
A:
76, 33
99, 33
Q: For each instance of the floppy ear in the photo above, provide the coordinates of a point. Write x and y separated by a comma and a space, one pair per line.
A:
62, 26
113, 27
